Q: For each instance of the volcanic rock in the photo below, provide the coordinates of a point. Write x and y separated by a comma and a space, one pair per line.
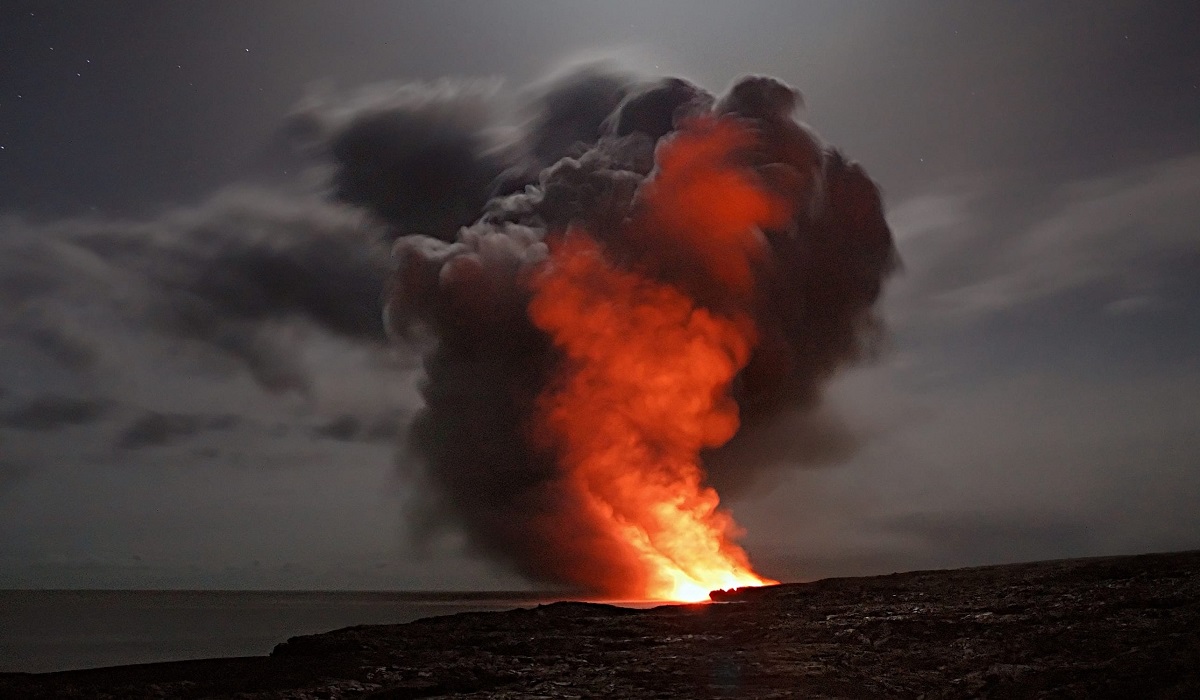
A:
1115, 627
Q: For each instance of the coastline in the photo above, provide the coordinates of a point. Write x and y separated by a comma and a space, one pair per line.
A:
1103, 627
43, 631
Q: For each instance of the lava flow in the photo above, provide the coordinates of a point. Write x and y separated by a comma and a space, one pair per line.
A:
645, 380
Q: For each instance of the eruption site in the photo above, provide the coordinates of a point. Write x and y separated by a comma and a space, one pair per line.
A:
654, 289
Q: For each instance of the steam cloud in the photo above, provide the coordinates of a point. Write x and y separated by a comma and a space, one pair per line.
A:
474, 211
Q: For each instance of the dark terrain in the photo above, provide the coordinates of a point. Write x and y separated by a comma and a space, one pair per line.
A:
1117, 627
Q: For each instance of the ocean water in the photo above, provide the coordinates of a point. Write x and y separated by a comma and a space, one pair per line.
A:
44, 631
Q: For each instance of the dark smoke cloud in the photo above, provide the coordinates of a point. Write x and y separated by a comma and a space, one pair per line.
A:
656, 108
471, 449
421, 158
427, 158
564, 116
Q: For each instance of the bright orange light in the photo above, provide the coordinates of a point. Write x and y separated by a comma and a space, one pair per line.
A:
648, 369
645, 392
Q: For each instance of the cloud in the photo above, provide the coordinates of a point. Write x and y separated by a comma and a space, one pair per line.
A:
1040, 397
49, 413
967, 537
255, 309
155, 429
232, 275
934, 539
385, 427
992, 247
59, 340
343, 428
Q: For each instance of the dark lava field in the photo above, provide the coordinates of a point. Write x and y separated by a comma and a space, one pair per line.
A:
1115, 627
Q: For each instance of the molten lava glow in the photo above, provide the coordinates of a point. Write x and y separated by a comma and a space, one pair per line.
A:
645, 386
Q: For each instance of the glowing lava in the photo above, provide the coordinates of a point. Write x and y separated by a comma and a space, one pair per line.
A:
647, 368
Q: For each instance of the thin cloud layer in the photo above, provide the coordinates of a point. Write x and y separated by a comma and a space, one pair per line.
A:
154, 429
1129, 235
230, 275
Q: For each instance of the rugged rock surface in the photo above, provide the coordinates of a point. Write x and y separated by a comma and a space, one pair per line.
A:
1121, 627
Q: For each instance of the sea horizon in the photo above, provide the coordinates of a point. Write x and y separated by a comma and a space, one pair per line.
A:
44, 630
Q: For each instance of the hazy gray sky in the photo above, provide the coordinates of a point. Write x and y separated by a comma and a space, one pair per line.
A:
1039, 396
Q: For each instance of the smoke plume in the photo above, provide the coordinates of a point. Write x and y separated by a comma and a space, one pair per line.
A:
639, 282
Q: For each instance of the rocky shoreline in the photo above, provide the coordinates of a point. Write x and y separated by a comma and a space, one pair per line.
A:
1113, 627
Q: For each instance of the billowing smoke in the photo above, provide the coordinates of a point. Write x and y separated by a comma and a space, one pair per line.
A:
728, 204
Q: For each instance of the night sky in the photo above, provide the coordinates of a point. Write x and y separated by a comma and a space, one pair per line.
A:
1038, 395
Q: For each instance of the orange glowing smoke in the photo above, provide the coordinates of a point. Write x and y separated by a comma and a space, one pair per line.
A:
648, 368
